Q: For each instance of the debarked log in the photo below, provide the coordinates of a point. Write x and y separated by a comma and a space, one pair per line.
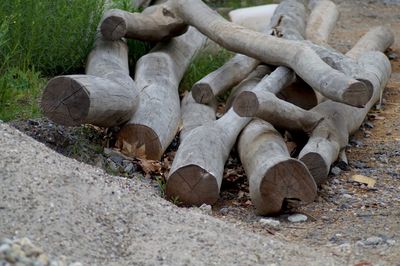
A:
274, 177
158, 74
106, 96
321, 22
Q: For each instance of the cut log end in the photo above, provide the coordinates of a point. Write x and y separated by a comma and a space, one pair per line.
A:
317, 166
287, 180
192, 185
139, 141
113, 28
358, 93
202, 93
246, 104
65, 101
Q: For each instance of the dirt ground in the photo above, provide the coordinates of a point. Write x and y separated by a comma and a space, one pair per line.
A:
349, 223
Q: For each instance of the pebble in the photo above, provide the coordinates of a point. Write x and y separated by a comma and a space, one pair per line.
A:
373, 241
129, 168
391, 55
206, 209
391, 242
297, 218
270, 222
336, 171
368, 125
347, 196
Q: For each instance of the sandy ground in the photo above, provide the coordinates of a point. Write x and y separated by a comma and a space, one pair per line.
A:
73, 209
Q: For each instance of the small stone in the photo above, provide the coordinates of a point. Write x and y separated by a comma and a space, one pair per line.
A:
392, 55
356, 142
107, 151
347, 196
128, 168
297, 218
336, 171
270, 222
391, 242
225, 210
206, 209
4, 248
373, 241
368, 125
116, 159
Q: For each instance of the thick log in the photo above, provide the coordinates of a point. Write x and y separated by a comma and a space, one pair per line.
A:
294, 54
256, 17
377, 39
158, 74
197, 170
288, 21
332, 134
106, 96
155, 23
321, 22
274, 177
261, 102
195, 114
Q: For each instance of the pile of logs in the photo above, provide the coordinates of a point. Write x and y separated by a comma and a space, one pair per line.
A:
283, 78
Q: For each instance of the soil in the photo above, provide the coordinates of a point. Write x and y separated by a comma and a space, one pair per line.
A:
122, 221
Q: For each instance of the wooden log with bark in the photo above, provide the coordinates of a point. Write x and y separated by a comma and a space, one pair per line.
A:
332, 134
106, 96
158, 74
197, 170
294, 54
275, 178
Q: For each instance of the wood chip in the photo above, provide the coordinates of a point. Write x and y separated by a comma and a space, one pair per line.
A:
370, 182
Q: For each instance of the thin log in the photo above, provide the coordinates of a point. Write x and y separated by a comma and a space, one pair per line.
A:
274, 177
377, 39
155, 24
158, 74
321, 22
106, 96
294, 54
332, 134
195, 114
261, 102
288, 21
197, 170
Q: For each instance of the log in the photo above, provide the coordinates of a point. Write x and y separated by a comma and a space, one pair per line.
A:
294, 54
256, 17
106, 96
332, 134
261, 102
288, 21
321, 22
155, 24
195, 114
197, 170
377, 39
274, 177
158, 74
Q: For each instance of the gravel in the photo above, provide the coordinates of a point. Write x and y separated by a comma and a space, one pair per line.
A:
297, 218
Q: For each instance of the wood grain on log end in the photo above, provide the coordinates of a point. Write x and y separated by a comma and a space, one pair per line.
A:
192, 185
113, 27
139, 141
358, 93
317, 166
202, 93
288, 180
65, 101
246, 104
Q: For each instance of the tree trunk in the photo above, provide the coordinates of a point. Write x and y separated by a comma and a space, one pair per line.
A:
158, 74
321, 22
288, 21
106, 96
331, 135
197, 170
154, 24
261, 102
294, 54
273, 176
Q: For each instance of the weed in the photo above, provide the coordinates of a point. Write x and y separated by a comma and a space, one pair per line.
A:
175, 200
162, 185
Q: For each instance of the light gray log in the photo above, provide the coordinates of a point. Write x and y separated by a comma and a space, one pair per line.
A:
158, 74
197, 170
297, 55
106, 96
273, 176
288, 21
331, 135
155, 23
261, 102
321, 22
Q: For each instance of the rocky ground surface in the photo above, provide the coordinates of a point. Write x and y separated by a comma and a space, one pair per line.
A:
73, 209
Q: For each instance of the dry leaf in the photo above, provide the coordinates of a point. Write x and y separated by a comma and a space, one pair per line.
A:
370, 182
150, 166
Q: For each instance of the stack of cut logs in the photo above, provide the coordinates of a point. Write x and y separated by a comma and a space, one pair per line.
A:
286, 76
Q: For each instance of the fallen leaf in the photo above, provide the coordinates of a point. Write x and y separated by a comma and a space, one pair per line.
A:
370, 182
150, 166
